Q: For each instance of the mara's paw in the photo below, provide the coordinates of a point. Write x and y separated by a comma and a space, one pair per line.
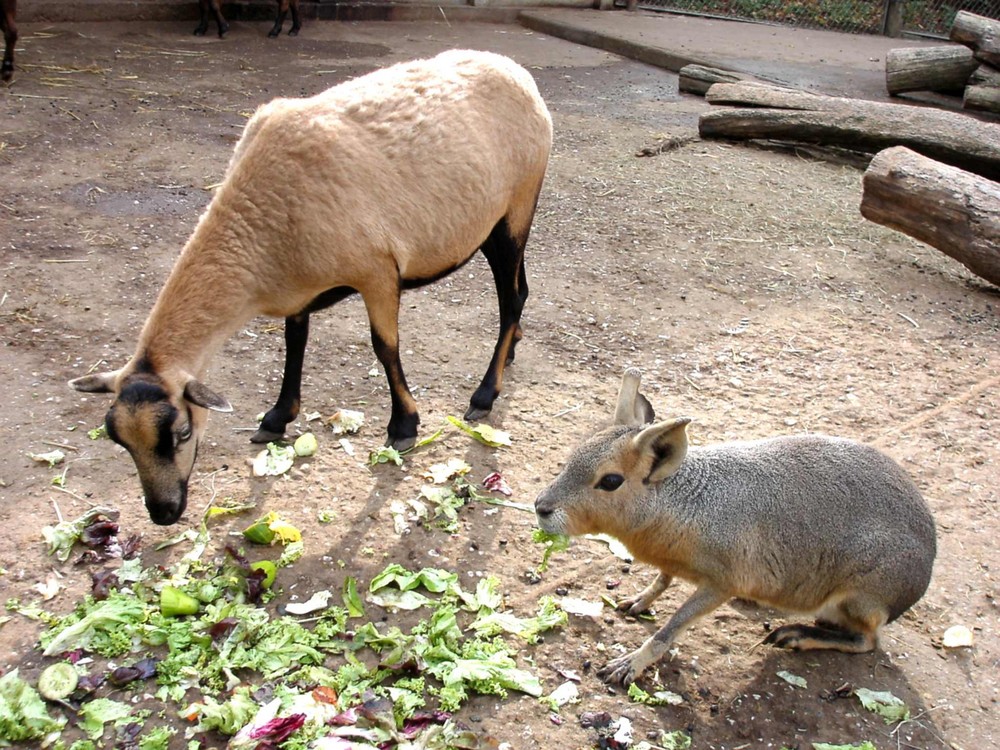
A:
787, 636
633, 606
620, 671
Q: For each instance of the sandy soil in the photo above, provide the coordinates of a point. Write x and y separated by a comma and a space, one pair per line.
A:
743, 282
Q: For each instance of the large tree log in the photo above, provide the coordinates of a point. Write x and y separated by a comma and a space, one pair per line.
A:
980, 33
696, 79
983, 91
954, 211
944, 69
951, 137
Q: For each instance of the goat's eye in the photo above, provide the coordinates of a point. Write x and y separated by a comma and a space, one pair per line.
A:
610, 482
184, 433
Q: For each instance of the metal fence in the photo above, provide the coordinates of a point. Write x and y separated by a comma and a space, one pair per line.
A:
925, 17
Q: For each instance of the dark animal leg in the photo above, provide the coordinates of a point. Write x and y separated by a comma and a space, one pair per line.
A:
279, 22
283, 7
505, 255
383, 314
286, 408
216, 9
9, 27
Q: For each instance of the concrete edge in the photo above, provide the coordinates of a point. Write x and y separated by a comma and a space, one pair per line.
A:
483, 11
644, 53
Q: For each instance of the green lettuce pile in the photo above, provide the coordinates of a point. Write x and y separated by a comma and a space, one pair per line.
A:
335, 680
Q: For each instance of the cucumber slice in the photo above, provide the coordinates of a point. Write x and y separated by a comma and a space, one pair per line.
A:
57, 681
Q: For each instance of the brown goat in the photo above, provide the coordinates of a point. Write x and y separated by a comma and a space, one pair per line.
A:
383, 183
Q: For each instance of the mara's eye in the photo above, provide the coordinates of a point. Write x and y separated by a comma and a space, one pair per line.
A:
184, 433
610, 482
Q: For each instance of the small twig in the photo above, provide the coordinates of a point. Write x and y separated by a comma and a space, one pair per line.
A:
71, 494
567, 411
55, 507
65, 260
60, 445
692, 383
444, 16
908, 319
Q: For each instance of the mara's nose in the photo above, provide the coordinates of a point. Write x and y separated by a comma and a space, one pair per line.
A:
544, 506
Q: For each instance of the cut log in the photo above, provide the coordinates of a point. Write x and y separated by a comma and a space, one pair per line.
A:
951, 137
983, 91
985, 75
982, 98
954, 211
945, 69
979, 33
696, 79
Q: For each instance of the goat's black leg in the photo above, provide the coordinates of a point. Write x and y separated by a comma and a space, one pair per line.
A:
286, 408
296, 19
383, 314
202, 27
280, 20
8, 25
505, 255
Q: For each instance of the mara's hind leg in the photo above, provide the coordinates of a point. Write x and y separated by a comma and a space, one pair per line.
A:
505, 255
851, 626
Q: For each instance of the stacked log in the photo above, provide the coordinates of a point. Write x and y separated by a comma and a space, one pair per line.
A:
954, 211
972, 69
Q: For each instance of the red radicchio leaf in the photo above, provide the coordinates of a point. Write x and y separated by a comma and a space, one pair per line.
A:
102, 581
496, 483
279, 730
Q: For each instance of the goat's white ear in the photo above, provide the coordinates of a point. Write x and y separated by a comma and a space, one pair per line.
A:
666, 444
203, 396
101, 382
633, 408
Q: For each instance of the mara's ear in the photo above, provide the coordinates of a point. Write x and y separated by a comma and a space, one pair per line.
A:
666, 444
203, 396
101, 382
633, 408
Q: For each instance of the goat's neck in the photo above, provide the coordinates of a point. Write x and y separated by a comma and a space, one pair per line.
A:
206, 299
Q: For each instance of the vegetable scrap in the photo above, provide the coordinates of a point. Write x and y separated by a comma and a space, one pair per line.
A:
883, 703
261, 678
485, 434
274, 460
345, 421
553, 543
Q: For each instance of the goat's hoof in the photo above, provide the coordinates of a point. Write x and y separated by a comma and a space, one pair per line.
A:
476, 413
293, 32
273, 33
402, 443
223, 29
266, 436
199, 31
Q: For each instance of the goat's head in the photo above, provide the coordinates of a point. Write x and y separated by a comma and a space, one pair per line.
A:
160, 424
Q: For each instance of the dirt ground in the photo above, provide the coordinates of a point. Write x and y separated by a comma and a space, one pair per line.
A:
743, 282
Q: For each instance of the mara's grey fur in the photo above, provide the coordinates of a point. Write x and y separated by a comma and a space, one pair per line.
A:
808, 524
380, 184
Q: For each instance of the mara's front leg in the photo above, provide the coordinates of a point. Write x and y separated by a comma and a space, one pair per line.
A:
639, 603
625, 669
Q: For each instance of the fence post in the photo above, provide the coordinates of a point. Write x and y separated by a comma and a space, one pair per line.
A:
892, 18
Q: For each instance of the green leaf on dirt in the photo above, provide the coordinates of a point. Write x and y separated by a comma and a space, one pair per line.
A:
23, 714
65, 534
550, 615
793, 679
352, 600
883, 703
442, 472
553, 543
485, 434
678, 739
51, 458
272, 528
94, 714
866, 745
434, 580
658, 698
274, 460
384, 455
105, 627
98, 433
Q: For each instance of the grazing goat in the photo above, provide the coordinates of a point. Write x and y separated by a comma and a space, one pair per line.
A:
8, 9
215, 8
808, 524
383, 183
